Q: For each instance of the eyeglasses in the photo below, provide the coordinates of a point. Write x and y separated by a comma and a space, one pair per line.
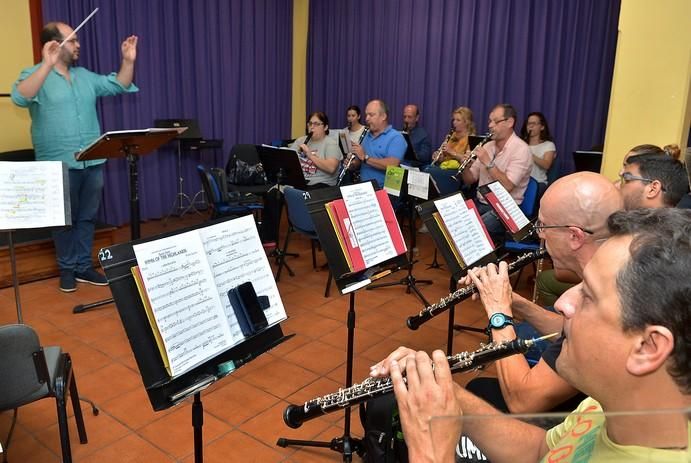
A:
498, 121
540, 226
315, 124
626, 177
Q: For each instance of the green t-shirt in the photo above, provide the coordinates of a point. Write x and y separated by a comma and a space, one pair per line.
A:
583, 438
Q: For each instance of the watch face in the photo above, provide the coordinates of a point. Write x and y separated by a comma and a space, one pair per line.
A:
497, 320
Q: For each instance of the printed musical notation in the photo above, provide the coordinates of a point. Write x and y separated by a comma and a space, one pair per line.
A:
179, 282
368, 223
187, 278
32, 195
464, 228
508, 206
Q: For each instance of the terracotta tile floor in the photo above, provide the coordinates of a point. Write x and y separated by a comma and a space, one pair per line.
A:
243, 413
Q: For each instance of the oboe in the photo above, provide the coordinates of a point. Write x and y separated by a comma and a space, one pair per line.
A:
464, 293
295, 415
473, 155
351, 156
439, 153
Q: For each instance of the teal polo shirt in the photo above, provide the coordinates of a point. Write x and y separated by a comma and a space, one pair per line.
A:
63, 113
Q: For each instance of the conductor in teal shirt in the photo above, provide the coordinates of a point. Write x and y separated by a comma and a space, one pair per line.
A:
61, 99
382, 147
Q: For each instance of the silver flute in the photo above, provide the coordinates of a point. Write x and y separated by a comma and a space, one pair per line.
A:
414, 321
295, 415
473, 155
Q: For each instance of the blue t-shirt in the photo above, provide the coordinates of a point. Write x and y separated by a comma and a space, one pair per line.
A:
387, 144
63, 113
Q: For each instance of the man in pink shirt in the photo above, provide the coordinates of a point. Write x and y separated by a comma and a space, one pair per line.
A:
506, 159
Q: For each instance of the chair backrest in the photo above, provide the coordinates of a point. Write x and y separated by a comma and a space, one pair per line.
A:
243, 152
18, 155
529, 204
221, 179
209, 184
20, 379
298, 214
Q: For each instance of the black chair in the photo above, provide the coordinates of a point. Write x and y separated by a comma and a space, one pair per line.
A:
221, 205
299, 220
29, 373
248, 154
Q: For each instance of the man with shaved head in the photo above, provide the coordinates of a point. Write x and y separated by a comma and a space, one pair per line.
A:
418, 135
573, 222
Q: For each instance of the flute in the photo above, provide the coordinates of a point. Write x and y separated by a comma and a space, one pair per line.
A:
473, 155
295, 415
414, 321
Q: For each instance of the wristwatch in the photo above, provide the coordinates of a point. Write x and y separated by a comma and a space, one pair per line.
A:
498, 321
365, 158
491, 164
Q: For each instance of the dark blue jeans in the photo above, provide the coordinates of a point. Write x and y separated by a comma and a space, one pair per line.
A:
73, 243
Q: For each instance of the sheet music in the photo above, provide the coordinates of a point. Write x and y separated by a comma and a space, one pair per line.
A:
418, 184
235, 254
32, 195
368, 223
509, 204
464, 228
184, 299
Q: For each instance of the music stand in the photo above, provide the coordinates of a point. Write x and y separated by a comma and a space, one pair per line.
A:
35, 195
191, 134
457, 269
409, 281
348, 282
282, 167
129, 144
163, 390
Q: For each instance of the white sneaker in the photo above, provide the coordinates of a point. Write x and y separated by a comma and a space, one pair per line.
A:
423, 229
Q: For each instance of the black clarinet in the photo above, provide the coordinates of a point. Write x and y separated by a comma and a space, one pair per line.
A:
351, 156
414, 321
295, 415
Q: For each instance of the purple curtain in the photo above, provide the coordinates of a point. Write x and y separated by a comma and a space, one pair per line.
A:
553, 56
226, 63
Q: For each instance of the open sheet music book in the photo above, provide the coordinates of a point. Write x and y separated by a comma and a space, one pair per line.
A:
505, 207
184, 282
34, 195
366, 226
463, 229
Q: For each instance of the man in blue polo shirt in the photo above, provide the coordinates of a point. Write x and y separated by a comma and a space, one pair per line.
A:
383, 146
61, 99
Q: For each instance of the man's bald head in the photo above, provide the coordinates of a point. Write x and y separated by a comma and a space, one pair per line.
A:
585, 199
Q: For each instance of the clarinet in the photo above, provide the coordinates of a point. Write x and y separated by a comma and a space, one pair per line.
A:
347, 164
414, 321
473, 155
295, 415
439, 154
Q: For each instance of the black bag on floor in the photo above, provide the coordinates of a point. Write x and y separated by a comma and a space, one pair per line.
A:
383, 441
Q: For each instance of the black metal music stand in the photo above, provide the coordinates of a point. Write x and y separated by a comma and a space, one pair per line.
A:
409, 281
282, 167
182, 203
129, 144
457, 269
162, 390
344, 278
